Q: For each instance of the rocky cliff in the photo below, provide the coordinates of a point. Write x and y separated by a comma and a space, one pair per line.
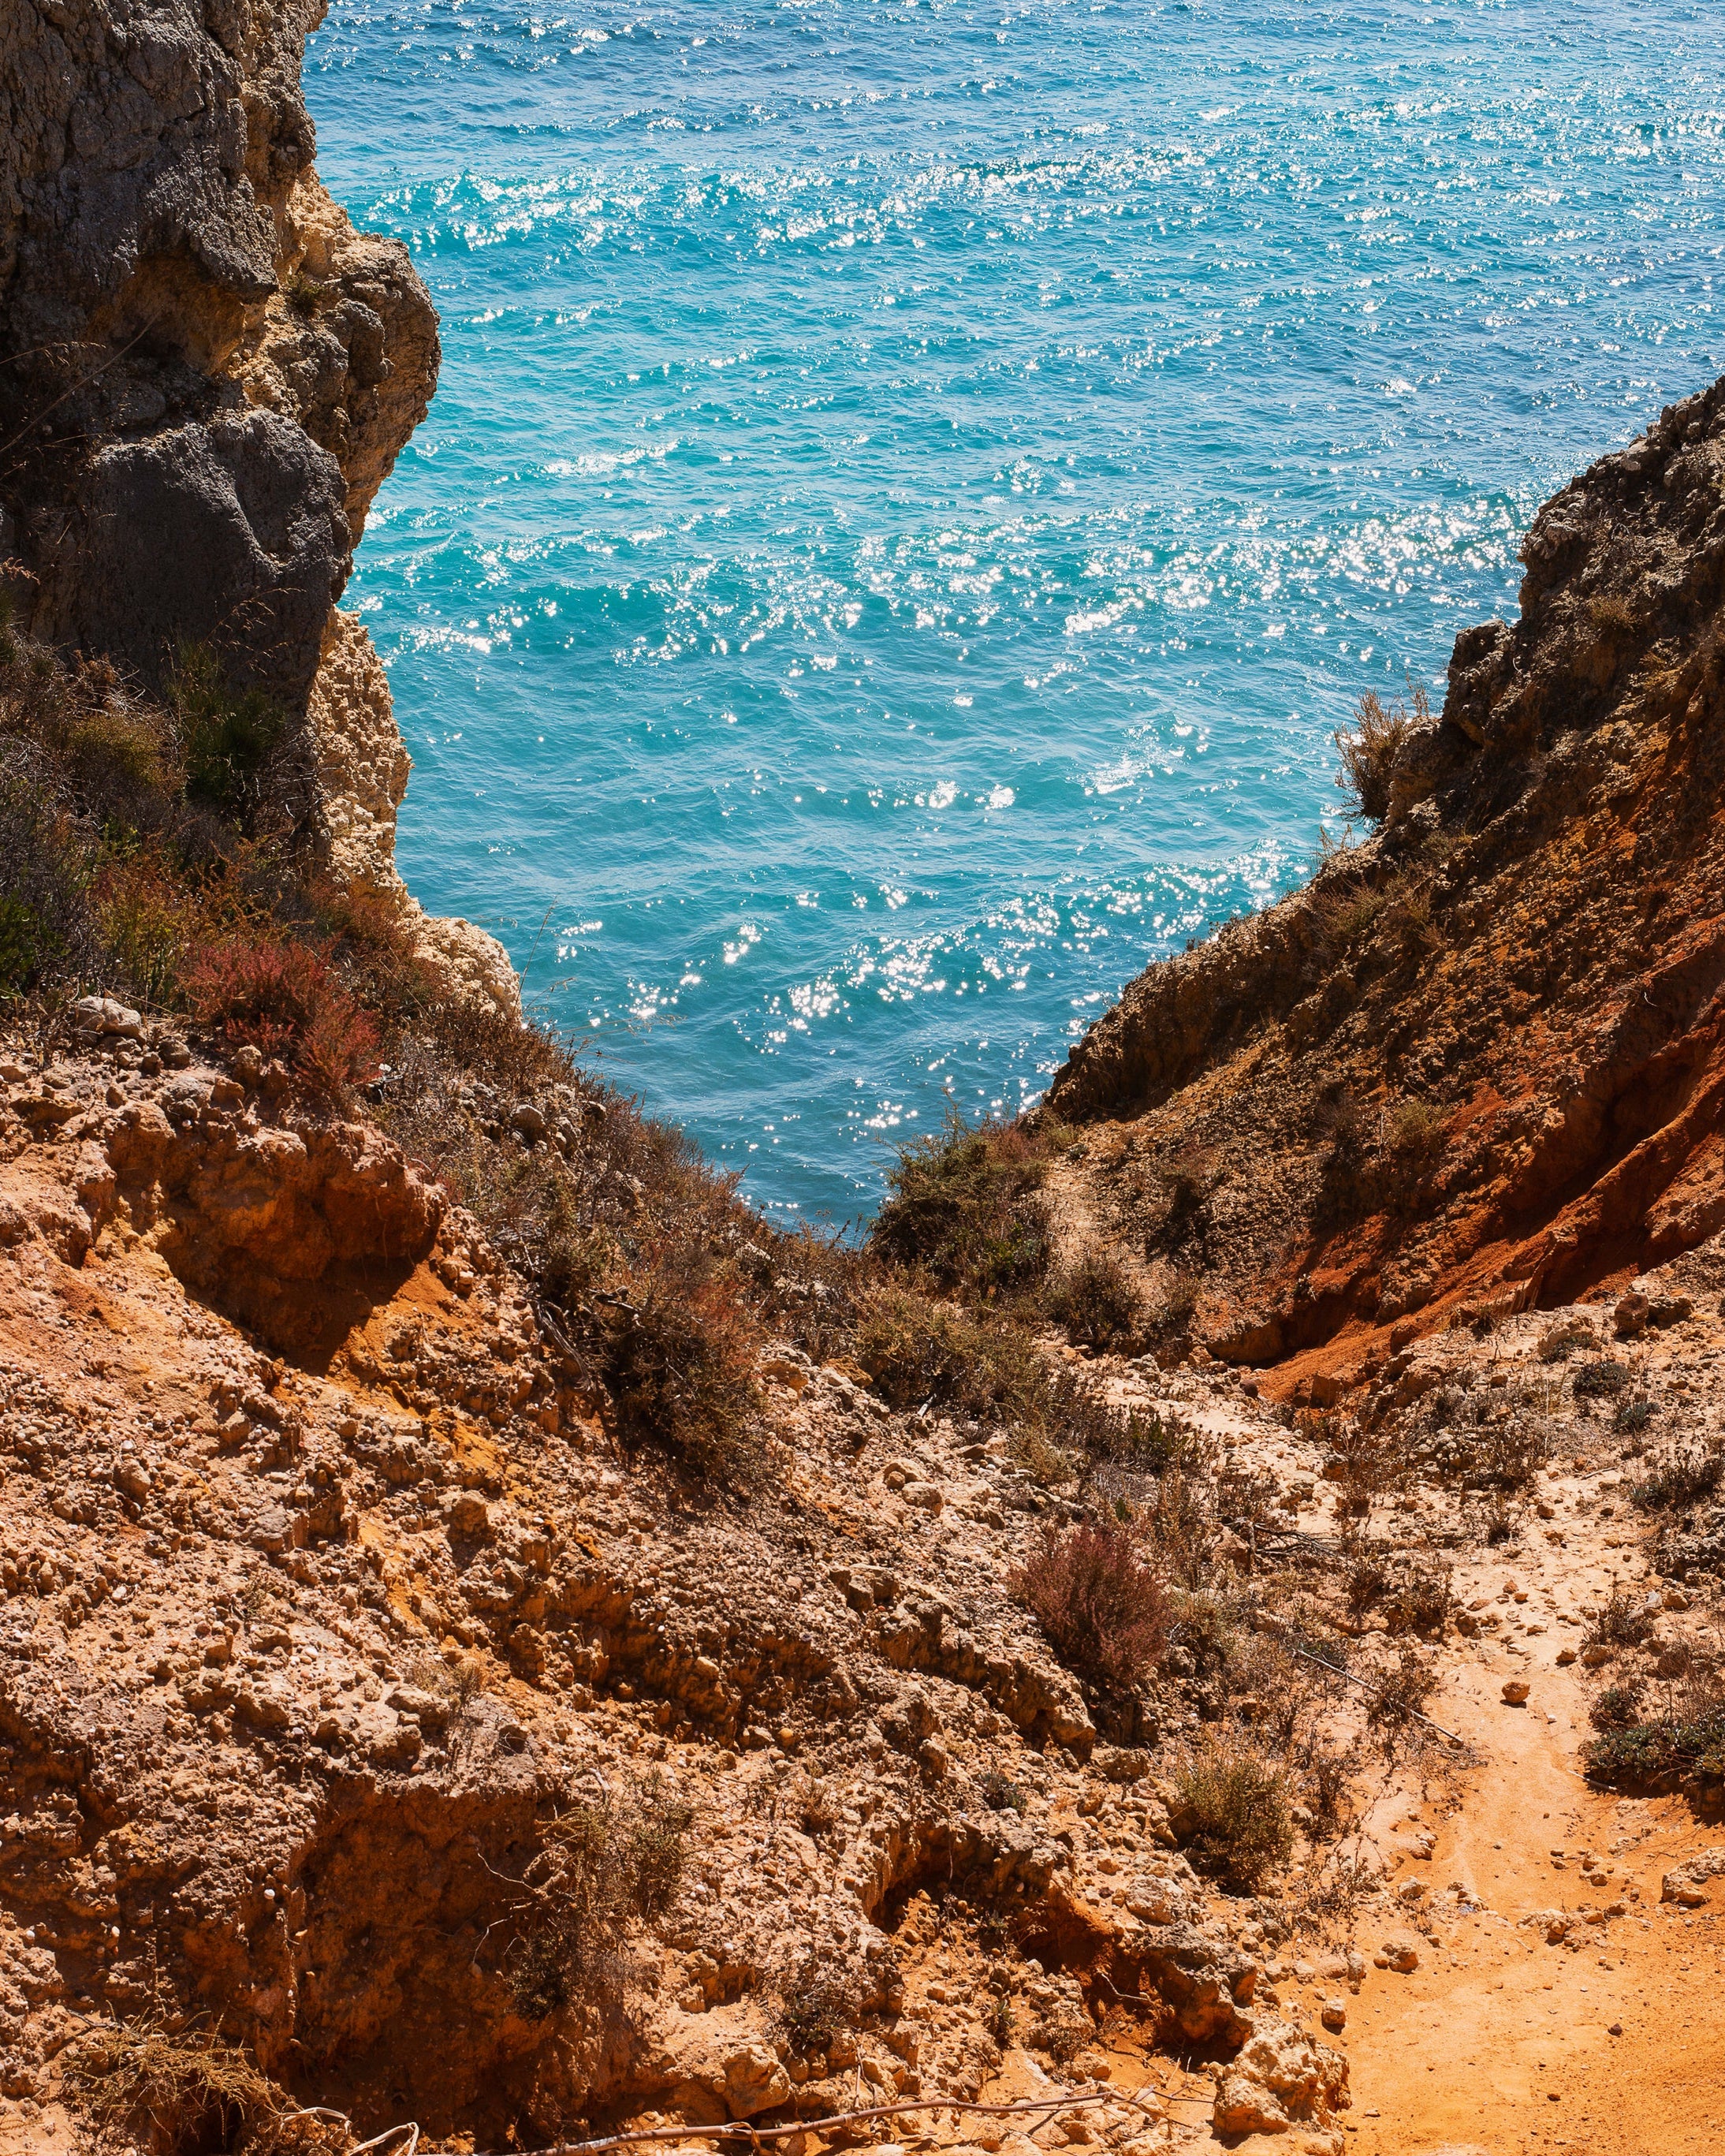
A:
205, 373
498, 1644
1477, 1063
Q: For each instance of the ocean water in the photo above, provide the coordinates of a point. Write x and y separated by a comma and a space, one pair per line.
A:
913, 487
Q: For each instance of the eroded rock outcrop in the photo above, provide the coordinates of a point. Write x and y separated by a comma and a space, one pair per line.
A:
208, 375
325, 1604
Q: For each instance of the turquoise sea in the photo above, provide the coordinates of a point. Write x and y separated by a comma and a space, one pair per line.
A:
913, 487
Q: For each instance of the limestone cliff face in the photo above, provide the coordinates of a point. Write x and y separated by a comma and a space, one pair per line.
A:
205, 373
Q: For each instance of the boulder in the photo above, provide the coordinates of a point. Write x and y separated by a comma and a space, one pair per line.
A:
1280, 2078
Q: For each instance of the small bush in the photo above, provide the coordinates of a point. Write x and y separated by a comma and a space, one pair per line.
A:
1183, 1524
1231, 1812
1508, 1455
965, 1208
1370, 749
282, 997
1632, 1417
1368, 1464
302, 292
1103, 1610
1095, 1300
679, 1361
47, 932
607, 1868
1416, 1133
1420, 1599
919, 1353
1366, 1579
1602, 1380
1618, 1706
1189, 1180
1000, 1796
817, 2006
1400, 1695
1680, 1479
1625, 1621
922, 1352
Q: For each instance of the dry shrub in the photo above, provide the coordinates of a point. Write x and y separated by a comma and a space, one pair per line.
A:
48, 935
607, 1869
1371, 746
923, 1353
1103, 1609
1400, 1690
282, 997
1421, 1598
1094, 1298
1182, 1523
1681, 1477
680, 1349
1062, 2031
1602, 1379
1365, 1576
965, 1207
1231, 1813
1368, 1464
820, 2003
183, 2094
1624, 1621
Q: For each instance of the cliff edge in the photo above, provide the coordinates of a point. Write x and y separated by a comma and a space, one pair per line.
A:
205, 373
1477, 1063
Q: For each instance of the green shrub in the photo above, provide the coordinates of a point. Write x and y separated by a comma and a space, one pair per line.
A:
1680, 1479
1231, 1812
1000, 1796
1680, 1748
965, 1208
227, 737
47, 932
1618, 1706
1601, 1380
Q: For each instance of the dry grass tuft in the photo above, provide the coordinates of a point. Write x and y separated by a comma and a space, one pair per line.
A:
188, 2092
1369, 748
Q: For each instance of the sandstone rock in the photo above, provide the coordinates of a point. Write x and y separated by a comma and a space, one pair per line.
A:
754, 2081
99, 1016
1515, 1692
1279, 2078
